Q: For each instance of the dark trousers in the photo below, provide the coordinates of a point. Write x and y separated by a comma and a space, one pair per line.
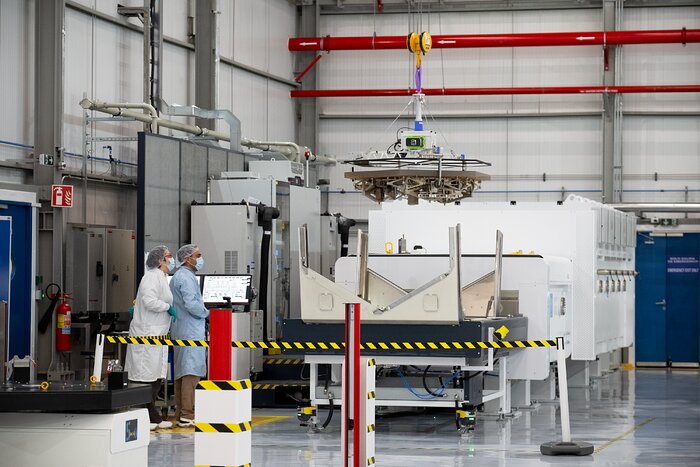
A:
153, 413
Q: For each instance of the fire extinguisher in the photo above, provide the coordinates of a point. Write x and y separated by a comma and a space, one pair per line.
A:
63, 325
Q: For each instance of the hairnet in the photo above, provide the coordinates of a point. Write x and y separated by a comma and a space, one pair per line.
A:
185, 252
155, 256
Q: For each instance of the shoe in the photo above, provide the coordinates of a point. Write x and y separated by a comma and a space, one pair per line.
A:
165, 424
185, 422
154, 426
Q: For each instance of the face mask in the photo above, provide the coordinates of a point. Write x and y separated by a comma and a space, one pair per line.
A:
199, 264
171, 264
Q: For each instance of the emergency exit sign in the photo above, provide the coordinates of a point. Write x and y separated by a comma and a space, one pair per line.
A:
62, 196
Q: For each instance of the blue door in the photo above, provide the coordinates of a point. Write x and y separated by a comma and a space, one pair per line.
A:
5, 264
21, 280
650, 305
668, 299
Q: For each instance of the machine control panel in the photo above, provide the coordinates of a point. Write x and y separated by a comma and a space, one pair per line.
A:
412, 140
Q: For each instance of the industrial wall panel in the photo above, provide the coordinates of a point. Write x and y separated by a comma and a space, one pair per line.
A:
216, 162
258, 34
660, 158
281, 17
161, 195
487, 67
225, 93
103, 61
106, 205
175, 14
281, 117
17, 59
249, 103
109, 7
523, 149
178, 79
250, 33
236, 162
193, 183
118, 63
78, 75
661, 63
226, 28
14, 175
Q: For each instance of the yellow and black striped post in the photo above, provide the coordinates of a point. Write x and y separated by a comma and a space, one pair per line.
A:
223, 423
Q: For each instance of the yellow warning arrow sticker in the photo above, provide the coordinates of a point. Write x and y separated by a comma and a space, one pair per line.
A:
503, 331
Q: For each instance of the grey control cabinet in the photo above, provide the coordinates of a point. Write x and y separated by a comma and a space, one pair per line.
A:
100, 266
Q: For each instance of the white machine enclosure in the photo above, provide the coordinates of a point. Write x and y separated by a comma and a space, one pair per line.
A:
75, 440
298, 206
436, 300
282, 170
330, 245
543, 285
236, 252
597, 239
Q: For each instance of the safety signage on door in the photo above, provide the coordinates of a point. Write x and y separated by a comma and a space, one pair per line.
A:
62, 196
682, 265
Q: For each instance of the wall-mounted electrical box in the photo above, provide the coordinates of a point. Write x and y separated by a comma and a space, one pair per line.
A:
100, 269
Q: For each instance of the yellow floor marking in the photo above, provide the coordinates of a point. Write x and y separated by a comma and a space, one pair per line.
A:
258, 420
631, 430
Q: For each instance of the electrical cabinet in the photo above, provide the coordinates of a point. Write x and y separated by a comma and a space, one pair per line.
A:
101, 273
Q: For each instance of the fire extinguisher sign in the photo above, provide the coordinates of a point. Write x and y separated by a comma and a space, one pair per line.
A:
62, 196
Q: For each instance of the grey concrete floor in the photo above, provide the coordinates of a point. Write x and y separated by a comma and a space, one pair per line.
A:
647, 417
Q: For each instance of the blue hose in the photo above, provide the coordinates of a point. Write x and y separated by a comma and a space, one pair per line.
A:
437, 393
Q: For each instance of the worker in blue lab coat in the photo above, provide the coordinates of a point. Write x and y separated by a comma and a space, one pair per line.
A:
190, 362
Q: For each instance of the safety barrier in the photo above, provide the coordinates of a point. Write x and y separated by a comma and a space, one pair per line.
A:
379, 346
283, 361
222, 430
216, 427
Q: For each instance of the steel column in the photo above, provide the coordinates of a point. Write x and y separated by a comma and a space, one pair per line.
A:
307, 127
206, 58
610, 105
48, 139
156, 39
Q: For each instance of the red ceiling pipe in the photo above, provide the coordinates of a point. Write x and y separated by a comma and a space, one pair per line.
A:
496, 91
668, 36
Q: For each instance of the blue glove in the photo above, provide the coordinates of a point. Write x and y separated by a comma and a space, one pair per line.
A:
173, 313
131, 311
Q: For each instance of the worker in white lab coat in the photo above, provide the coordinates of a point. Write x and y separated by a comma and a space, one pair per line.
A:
153, 312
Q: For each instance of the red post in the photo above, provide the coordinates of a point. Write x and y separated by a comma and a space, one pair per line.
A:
360, 431
352, 400
220, 345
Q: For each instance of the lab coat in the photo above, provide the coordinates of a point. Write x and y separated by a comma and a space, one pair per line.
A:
190, 323
148, 363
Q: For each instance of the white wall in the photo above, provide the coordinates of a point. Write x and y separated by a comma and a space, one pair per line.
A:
567, 148
17, 60
104, 61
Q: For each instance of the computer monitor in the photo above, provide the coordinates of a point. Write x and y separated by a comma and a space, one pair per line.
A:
236, 287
